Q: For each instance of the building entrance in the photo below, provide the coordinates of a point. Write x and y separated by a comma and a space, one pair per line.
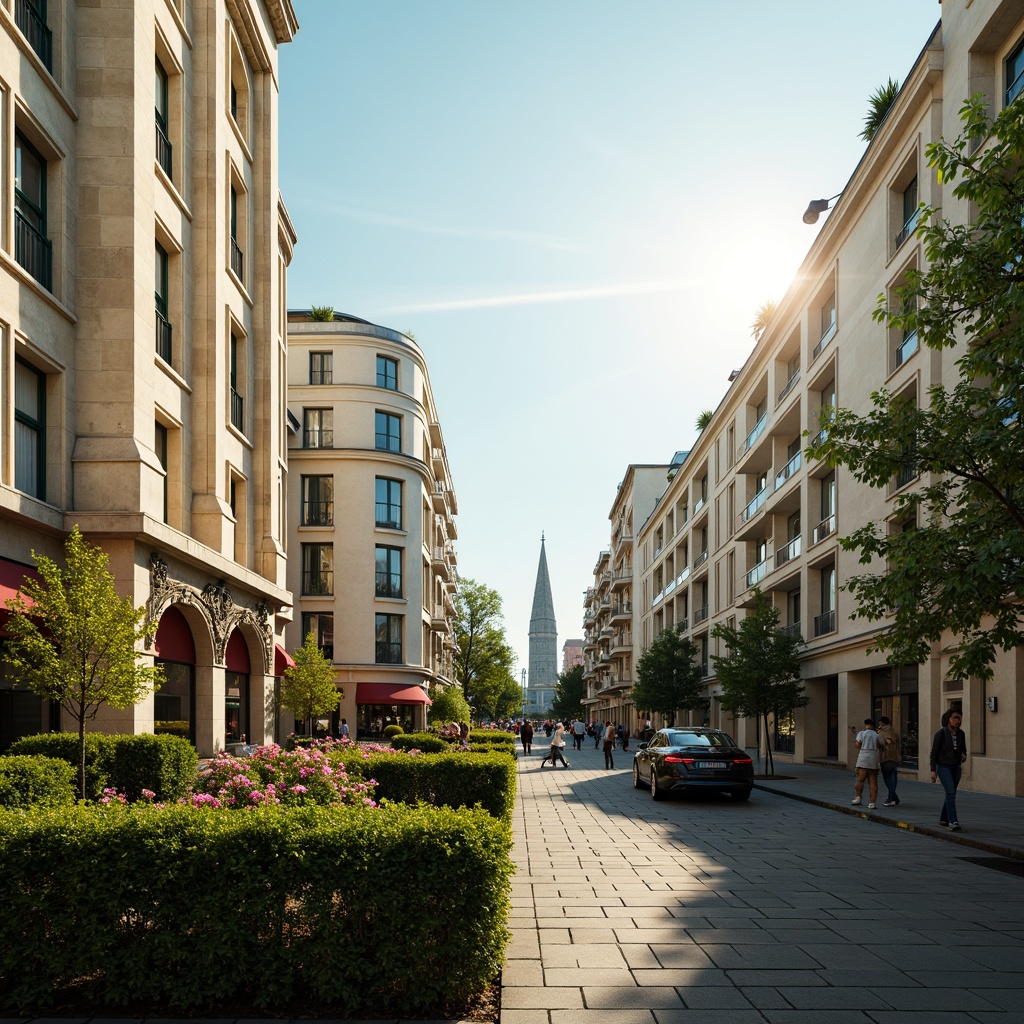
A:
894, 694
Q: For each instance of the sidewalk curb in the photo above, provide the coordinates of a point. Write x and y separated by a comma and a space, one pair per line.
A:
950, 837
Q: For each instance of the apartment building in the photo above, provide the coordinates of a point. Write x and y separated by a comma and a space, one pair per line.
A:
372, 518
609, 611
747, 510
140, 151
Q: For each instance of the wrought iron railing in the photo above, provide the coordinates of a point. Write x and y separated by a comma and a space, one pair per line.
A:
164, 149
825, 623
164, 333
237, 261
36, 31
33, 250
237, 411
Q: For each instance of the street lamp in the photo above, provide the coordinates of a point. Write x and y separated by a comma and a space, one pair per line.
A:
816, 207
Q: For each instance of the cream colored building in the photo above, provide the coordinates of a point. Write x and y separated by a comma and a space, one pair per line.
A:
746, 509
143, 248
372, 518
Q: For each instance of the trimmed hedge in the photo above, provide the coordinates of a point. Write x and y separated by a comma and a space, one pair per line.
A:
390, 731
492, 736
423, 741
396, 911
31, 779
164, 764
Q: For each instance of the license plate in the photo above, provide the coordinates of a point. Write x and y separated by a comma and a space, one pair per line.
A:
713, 764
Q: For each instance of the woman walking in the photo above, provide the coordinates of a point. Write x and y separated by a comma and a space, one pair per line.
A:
526, 735
949, 751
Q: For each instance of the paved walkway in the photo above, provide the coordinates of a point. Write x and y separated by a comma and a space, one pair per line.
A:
779, 910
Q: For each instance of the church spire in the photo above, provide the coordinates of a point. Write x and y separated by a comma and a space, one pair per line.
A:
543, 670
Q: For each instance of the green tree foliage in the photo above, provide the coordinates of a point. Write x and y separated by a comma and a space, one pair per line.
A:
485, 660
448, 705
508, 700
949, 565
321, 314
760, 674
74, 641
762, 318
669, 677
569, 693
879, 103
703, 419
307, 688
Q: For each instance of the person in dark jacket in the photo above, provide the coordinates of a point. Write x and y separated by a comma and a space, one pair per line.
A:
949, 751
526, 735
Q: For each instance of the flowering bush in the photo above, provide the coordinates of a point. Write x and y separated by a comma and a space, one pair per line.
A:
272, 776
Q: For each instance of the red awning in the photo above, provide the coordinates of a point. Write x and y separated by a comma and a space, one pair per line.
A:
389, 693
282, 660
12, 575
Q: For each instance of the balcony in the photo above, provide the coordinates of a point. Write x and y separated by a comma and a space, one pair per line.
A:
755, 433
33, 250
907, 474
793, 630
621, 580
439, 563
829, 334
824, 529
700, 560
791, 550
36, 31
164, 150
699, 504
163, 337
683, 576
237, 411
909, 228
683, 625
906, 349
700, 614
438, 498
825, 623
758, 573
754, 505
790, 384
657, 598
622, 642
788, 470
621, 613
237, 261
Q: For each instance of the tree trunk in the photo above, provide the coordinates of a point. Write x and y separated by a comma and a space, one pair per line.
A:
769, 760
81, 758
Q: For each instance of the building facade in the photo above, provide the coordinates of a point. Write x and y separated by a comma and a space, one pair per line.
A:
572, 654
372, 519
746, 508
543, 663
143, 254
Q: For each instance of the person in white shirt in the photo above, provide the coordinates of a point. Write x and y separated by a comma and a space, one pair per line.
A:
558, 746
578, 731
869, 747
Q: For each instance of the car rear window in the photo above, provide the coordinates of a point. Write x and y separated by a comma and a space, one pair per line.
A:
699, 739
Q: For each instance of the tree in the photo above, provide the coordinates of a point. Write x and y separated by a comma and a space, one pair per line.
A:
703, 419
879, 103
760, 674
762, 318
308, 688
484, 664
949, 565
508, 700
570, 690
449, 705
74, 641
669, 677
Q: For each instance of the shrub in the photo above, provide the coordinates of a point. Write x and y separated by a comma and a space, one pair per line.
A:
64, 747
420, 741
164, 765
141, 905
491, 736
391, 731
27, 779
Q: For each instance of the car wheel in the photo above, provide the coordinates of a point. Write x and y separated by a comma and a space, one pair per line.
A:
740, 794
656, 794
637, 784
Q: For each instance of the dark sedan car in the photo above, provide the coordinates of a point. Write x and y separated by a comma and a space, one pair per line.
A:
678, 760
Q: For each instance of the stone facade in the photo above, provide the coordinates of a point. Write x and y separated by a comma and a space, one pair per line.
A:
157, 426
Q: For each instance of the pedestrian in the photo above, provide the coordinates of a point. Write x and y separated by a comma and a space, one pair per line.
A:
558, 746
609, 745
890, 759
598, 734
464, 735
578, 730
344, 729
949, 751
869, 748
526, 735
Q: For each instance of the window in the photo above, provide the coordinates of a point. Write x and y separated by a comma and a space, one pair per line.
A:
321, 367
160, 443
389, 572
163, 326
317, 500
387, 373
321, 625
31, 18
161, 93
317, 428
904, 340
236, 371
388, 635
827, 314
238, 90
388, 503
318, 570
32, 249
238, 257
388, 432
236, 707
1014, 65
827, 509
910, 212
29, 429
826, 621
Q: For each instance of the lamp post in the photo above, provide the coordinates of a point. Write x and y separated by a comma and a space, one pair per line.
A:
816, 207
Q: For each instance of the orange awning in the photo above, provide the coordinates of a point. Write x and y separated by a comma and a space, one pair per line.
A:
282, 660
389, 693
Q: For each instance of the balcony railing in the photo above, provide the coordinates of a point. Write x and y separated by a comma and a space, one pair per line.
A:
830, 333
36, 31
705, 669
790, 384
683, 625
699, 504
683, 576
700, 614
164, 149
789, 469
907, 474
33, 250
163, 337
907, 348
758, 573
754, 505
700, 560
791, 550
237, 261
755, 433
793, 629
318, 513
237, 411
908, 229
824, 529
387, 653
825, 623
318, 439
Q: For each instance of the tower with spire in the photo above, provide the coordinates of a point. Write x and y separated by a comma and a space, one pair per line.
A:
543, 667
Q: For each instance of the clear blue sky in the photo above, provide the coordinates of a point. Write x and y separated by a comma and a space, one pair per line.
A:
576, 206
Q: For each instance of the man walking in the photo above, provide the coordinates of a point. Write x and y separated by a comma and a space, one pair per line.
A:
578, 729
890, 758
869, 748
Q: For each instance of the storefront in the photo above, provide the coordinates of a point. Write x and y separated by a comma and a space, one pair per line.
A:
894, 693
174, 704
382, 704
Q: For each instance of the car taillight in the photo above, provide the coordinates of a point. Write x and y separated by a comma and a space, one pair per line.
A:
743, 759
676, 759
